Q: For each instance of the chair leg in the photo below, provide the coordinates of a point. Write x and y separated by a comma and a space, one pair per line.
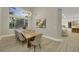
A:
17, 43
40, 46
22, 44
34, 48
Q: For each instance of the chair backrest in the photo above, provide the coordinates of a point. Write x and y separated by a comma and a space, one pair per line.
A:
19, 35
38, 38
21, 38
16, 34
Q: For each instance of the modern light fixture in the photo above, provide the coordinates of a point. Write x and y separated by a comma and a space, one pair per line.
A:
29, 13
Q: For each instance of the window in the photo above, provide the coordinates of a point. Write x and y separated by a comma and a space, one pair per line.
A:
18, 18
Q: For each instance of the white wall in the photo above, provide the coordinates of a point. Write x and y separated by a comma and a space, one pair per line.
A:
53, 20
0, 20
59, 22
5, 21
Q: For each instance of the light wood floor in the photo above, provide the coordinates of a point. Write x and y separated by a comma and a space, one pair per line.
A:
11, 45
68, 44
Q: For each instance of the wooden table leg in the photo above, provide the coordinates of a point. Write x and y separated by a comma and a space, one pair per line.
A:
28, 42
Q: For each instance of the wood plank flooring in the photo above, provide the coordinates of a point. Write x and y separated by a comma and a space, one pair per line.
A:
68, 44
11, 45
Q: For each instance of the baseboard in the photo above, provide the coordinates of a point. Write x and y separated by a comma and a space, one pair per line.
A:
52, 38
6, 36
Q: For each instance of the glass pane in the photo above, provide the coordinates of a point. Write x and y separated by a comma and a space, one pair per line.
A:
17, 11
17, 22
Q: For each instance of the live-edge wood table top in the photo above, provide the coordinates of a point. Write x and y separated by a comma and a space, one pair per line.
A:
29, 34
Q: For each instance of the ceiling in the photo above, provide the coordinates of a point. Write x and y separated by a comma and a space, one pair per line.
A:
71, 11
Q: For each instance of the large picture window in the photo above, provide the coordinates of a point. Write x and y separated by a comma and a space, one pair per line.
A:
18, 18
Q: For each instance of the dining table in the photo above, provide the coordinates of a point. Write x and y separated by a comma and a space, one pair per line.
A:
30, 35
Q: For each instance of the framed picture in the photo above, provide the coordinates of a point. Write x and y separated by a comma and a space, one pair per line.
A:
41, 23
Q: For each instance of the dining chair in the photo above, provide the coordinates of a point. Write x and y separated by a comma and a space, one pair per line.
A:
37, 42
20, 37
16, 35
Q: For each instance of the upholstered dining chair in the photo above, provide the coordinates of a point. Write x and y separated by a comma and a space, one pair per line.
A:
37, 42
16, 35
20, 37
